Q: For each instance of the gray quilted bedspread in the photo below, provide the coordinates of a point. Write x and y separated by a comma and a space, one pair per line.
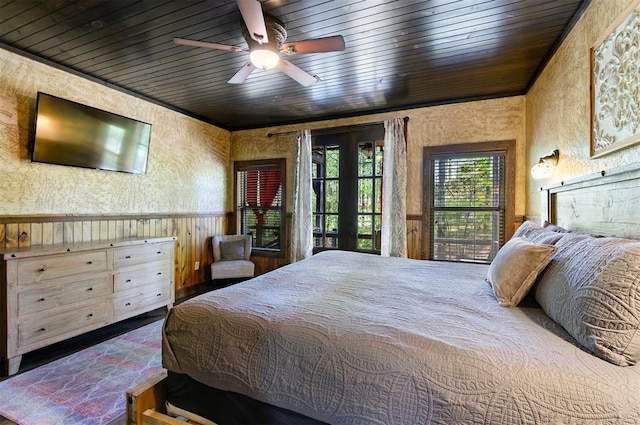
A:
352, 338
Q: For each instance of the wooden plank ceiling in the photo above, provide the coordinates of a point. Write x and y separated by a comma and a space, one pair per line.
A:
399, 54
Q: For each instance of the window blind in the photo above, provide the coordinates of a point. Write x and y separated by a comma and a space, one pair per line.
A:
468, 199
259, 197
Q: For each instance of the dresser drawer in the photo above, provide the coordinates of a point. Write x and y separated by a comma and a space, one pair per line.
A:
44, 327
149, 273
130, 302
137, 254
55, 266
43, 298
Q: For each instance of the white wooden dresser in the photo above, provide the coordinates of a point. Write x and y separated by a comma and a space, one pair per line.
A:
50, 293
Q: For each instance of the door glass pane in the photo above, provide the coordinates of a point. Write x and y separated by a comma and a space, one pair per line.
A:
318, 159
378, 196
365, 231
331, 225
332, 162
365, 159
332, 196
365, 243
331, 242
318, 223
364, 224
378, 157
317, 196
365, 195
378, 227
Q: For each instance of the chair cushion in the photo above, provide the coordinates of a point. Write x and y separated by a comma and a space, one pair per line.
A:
232, 250
218, 239
232, 269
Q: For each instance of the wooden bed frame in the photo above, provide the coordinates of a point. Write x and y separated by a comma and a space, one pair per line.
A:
145, 404
605, 203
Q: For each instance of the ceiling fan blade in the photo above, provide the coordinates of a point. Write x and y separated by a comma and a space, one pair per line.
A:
242, 74
296, 73
195, 43
316, 45
251, 11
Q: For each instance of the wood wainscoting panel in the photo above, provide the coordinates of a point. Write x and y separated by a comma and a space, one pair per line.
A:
193, 234
414, 236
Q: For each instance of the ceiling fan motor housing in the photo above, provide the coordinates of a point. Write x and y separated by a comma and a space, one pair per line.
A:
276, 33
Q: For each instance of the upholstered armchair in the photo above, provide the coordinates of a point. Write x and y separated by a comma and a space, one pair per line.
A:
231, 257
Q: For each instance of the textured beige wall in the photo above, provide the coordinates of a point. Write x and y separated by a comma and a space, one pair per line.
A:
482, 121
558, 106
187, 167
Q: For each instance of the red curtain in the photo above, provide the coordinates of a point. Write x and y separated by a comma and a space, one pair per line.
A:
262, 188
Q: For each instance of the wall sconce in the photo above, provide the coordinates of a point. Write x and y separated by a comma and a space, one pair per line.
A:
544, 168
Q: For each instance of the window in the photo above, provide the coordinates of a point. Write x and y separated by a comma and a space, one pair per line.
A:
469, 193
347, 189
260, 203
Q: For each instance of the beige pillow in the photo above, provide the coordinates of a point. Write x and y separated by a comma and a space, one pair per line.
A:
515, 268
592, 289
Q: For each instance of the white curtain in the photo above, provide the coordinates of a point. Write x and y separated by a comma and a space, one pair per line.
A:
394, 190
302, 231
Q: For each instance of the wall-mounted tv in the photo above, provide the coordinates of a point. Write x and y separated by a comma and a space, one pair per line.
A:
68, 133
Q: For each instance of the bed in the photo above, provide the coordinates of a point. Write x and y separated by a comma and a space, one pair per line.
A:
352, 338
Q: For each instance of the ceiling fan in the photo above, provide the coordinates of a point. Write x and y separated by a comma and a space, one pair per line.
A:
265, 36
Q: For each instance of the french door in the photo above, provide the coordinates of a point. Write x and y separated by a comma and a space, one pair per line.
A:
347, 190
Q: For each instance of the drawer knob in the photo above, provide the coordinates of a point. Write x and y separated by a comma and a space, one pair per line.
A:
128, 256
89, 262
128, 304
128, 281
90, 289
159, 252
90, 314
43, 329
159, 273
43, 269
159, 295
41, 299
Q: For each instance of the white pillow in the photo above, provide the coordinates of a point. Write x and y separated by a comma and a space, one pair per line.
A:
592, 289
533, 232
515, 269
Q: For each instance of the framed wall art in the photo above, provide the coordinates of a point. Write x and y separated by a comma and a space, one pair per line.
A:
615, 85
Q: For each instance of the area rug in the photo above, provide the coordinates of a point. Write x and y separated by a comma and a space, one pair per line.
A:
87, 387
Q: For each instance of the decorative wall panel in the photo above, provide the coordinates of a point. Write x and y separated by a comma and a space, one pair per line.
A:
615, 85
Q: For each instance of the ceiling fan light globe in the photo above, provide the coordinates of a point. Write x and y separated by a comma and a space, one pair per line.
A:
264, 58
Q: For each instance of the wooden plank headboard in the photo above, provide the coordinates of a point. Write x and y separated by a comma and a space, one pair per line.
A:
605, 203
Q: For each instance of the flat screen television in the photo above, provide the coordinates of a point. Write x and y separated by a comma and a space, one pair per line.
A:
68, 133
